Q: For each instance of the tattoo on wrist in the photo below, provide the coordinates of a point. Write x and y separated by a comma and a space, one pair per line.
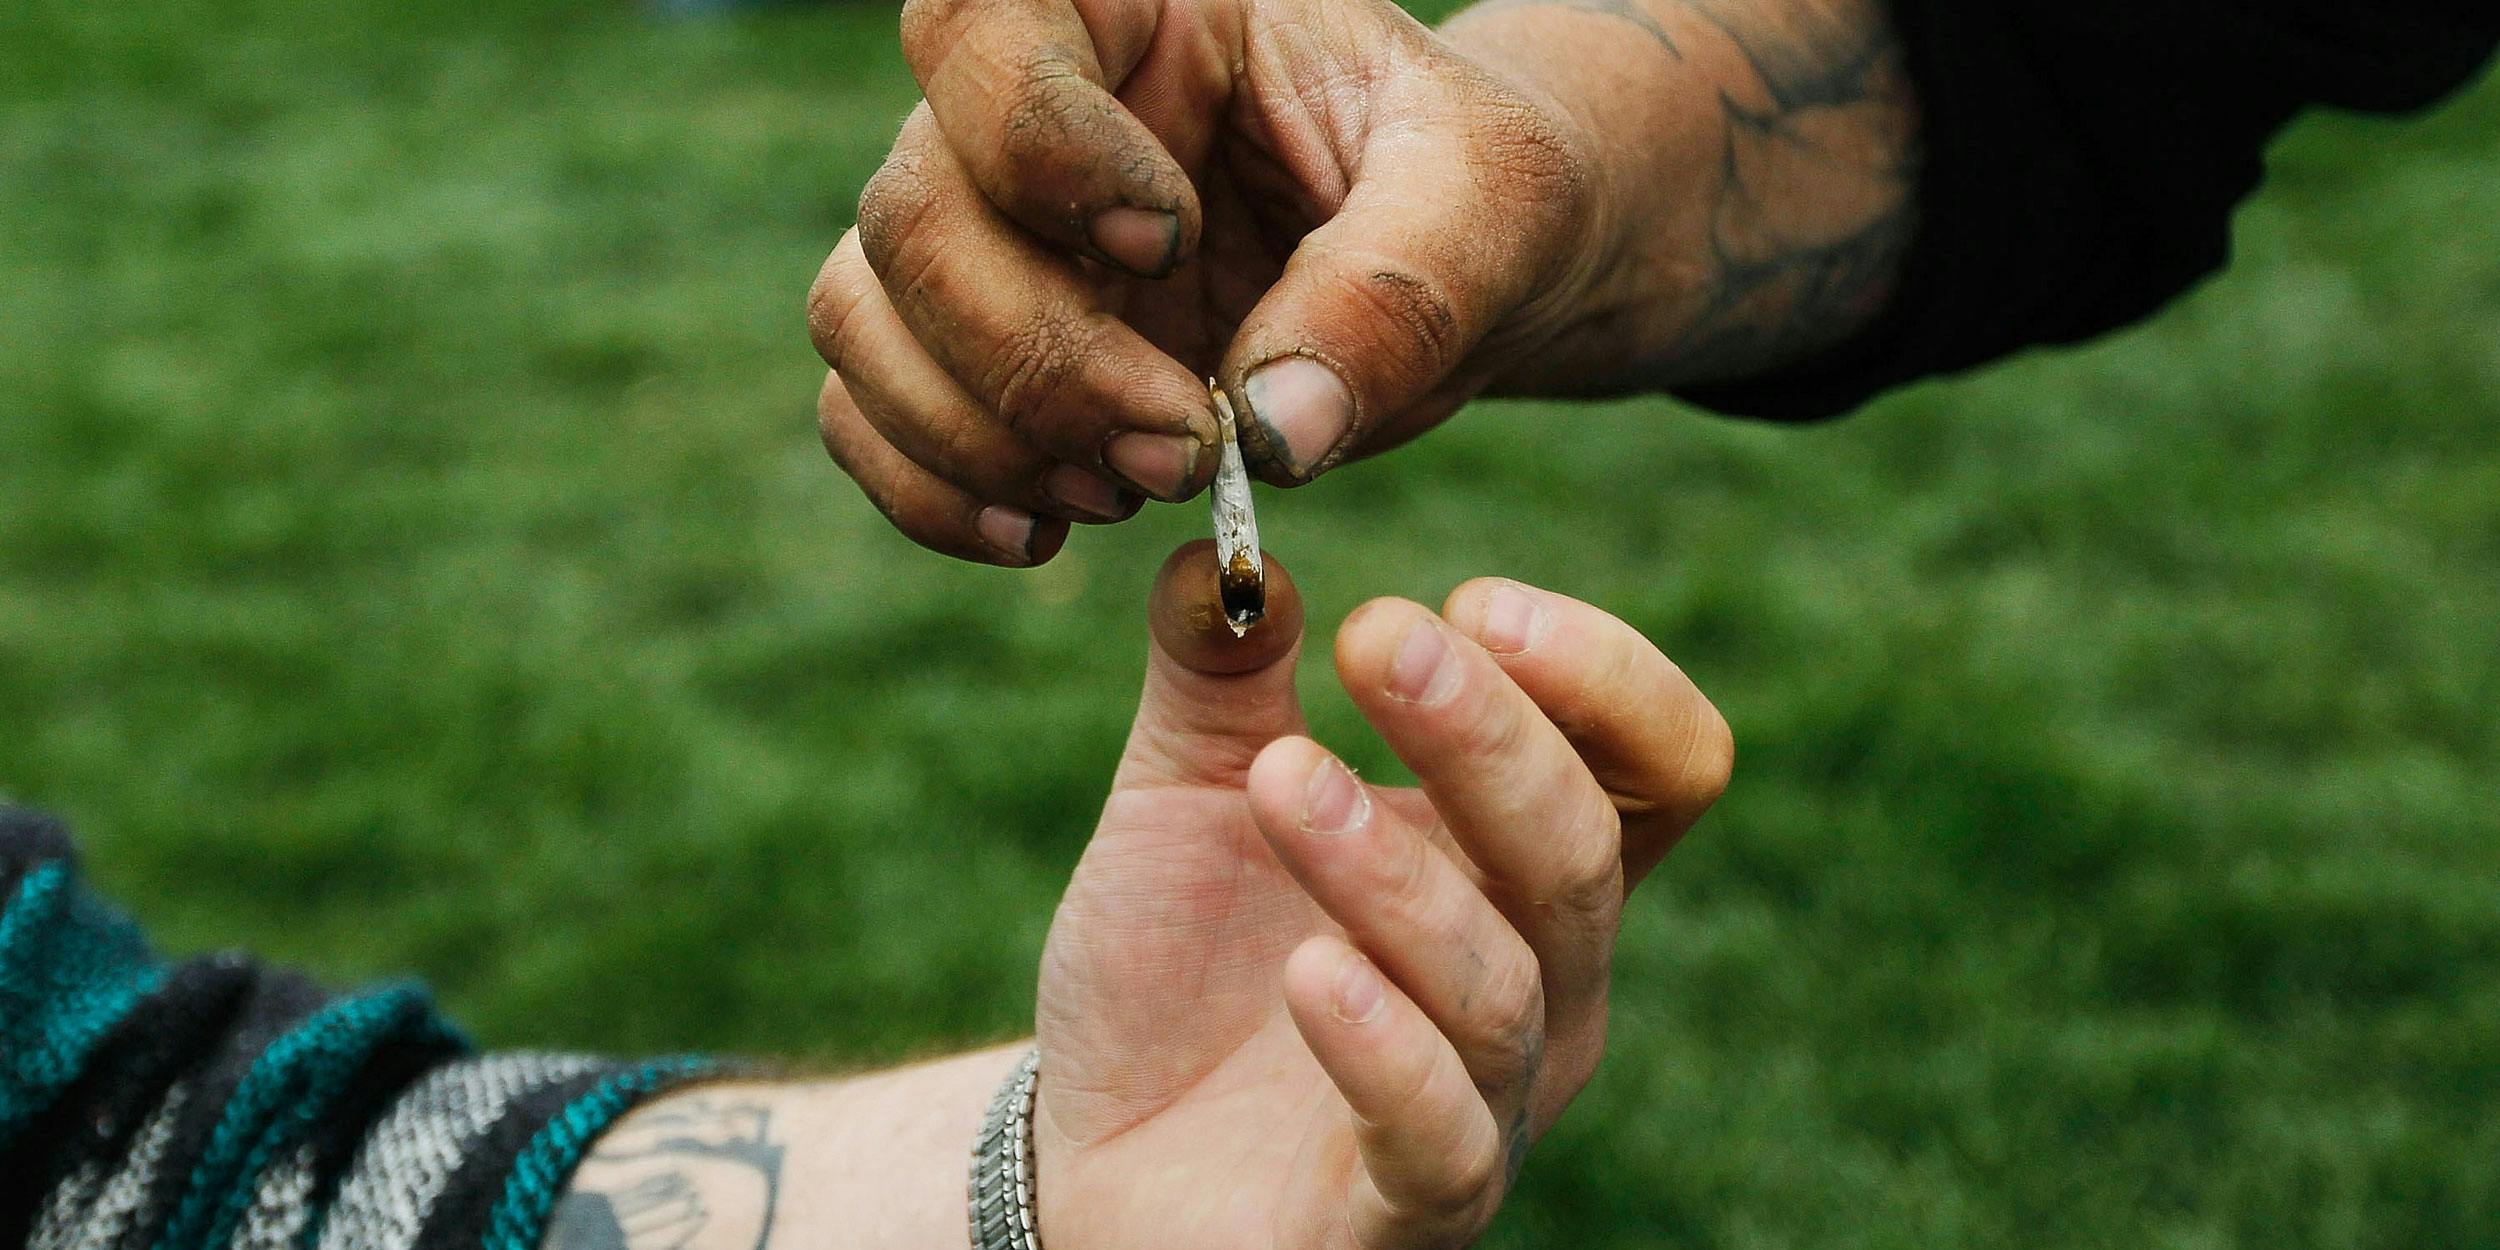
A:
695, 1172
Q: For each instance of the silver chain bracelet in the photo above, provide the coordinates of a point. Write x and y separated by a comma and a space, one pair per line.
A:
1002, 1165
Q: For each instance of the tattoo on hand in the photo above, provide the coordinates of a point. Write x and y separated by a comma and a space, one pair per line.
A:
695, 1172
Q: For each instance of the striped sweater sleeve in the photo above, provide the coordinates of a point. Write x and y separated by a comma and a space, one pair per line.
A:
216, 1104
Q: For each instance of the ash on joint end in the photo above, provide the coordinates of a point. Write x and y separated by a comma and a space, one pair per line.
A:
1243, 588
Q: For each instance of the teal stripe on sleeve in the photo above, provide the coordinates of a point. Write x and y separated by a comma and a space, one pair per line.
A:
288, 1089
70, 969
541, 1169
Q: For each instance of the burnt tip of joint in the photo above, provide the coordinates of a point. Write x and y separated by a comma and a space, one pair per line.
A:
1243, 592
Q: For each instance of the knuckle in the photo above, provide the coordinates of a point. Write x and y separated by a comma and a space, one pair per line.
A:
1588, 870
1044, 113
1033, 369
892, 206
930, 29
1509, 1016
1063, 142
1525, 159
1456, 1189
1416, 313
833, 307
838, 423
1710, 757
1474, 1171
1494, 730
880, 494
1404, 876
922, 521
954, 449
1529, 172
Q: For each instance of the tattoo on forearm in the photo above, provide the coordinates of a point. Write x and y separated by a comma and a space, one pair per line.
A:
697, 1172
1626, 10
1813, 201
1798, 272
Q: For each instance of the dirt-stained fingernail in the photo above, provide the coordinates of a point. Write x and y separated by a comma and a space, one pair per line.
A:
1359, 992
1304, 408
1424, 671
1158, 464
1144, 241
1083, 492
1008, 531
1513, 619
1333, 802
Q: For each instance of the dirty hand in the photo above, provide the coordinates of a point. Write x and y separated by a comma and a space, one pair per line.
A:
1350, 222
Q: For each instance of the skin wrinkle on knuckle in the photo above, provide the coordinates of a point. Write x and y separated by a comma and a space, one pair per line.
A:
1488, 731
1421, 318
1508, 1021
1034, 366
1588, 879
954, 447
1060, 133
891, 502
1471, 1177
1536, 188
1402, 321
1455, 1186
891, 207
1400, 866
831, 428
832, 316
1709, 758
1414, 1096
1524, 160
931, 30
1649, 781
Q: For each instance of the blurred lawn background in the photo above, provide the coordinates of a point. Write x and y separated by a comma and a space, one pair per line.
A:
415, 555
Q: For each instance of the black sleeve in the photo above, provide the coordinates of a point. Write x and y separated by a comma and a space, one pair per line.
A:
2083, 160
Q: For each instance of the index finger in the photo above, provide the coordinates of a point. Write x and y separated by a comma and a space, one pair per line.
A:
1020, 91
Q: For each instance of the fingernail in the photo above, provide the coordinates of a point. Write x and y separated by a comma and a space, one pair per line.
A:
1359, 991
1144, 241
1008, 531
1304, 407
1513, 620
1333, 802
1424, 671
1083, 492
1158, 464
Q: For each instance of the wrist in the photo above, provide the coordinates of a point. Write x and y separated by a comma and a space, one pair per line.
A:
1753, 165
876, 1161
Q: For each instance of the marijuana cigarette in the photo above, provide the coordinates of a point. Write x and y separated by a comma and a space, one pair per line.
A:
1241, 576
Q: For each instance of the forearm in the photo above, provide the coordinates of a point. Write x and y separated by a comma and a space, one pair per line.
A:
1758, 160
876, 1162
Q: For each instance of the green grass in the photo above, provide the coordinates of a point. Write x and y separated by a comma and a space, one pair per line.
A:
415, 555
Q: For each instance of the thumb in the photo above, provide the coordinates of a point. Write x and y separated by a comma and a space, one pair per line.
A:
1212, 699
1466, 202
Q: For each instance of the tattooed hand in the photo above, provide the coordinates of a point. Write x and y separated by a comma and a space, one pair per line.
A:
1280, 1007
1283, 1007
1353, 223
